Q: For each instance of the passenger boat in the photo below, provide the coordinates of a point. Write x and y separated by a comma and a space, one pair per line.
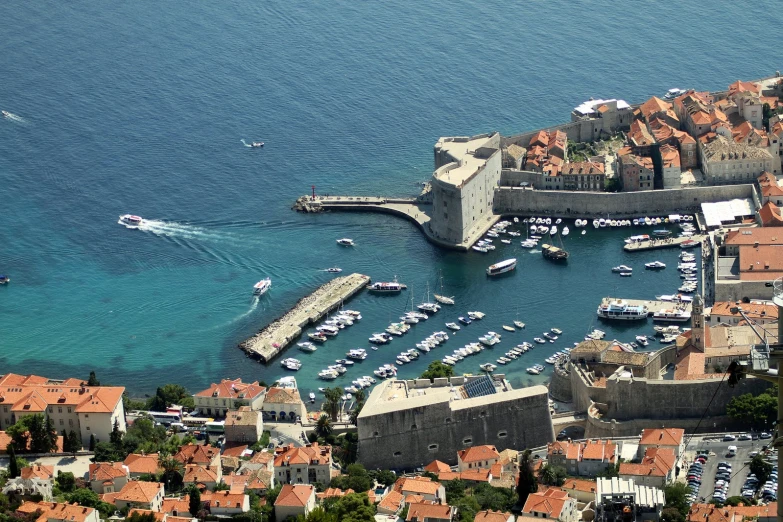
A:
502, 267
637, 239
345, 241
622, 268
675, 298
655, 265
662, 233
621, 310
381, 287
130, 220
672, 315
262, 286
307, 347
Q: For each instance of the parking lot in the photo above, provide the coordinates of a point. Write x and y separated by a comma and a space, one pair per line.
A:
718, 450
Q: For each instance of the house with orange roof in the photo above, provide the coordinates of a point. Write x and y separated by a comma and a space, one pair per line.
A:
331, 493
437, 466
142, 495
304, 465
585, 176
108, 477
672, 438
772, 193
429, 489
57, 512
636, 172
260, 460
176, 506
392, 503
203, 477
712, 513
294, 500
656, 468
139, 464
229, 394
203, 455
477, 457
553, 503
428, 512
39, 471
493, 516
71, 404
226, 503
585, 458
476, 475
580, 489
671, 168
726, 312
244, 425
283, 404
770, 215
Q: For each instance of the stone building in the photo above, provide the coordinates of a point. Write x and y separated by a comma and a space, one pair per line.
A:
670, 166
283, 404
244, 425
554, 504
307, 465
725, 161
294, 500
406, 424
140, 495
636, 172
582, 458
656, 468
227, 395
477, 457
586, 176
70, 403
108, 477
467, 170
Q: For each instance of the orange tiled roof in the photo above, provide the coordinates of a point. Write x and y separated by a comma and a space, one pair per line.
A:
766, 179
421, 485
770, 215
478, 454
138, 491
144, 464
740, 86
282, 396
195, 473
749, 236
392, 501
296, 495
430, 512
107, 471
262, 457
40, 471
662, 436
582, 167
235, 451
196, 454
312, 454
753, 310
57, 511
233, 389
491, 516
585, 486
176, 505
437, 466
224, 499
476, 475
550, 502
33, 393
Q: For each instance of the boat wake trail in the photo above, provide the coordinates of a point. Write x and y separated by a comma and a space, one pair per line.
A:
177, 230
13, 117
253, 307
245, 144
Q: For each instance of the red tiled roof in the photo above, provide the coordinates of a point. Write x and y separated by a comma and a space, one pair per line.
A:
139, 491
57, 511
312, 454
429, 512
770, 215
585, 486
421, 485
158, 515
196, 454
233, 389
40, 471
478, 454
550, 502
392, 501
662, 436
491, 516
107, 471
749, 236
143, 464
437, 466
296, 495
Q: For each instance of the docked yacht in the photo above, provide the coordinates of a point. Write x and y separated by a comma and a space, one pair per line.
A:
502, 267
622, 268
380, 338
345, 242
312, 397
550, 336
464, 320
539, 340
291, 364
487, 367
317, 337
637, 239
307, 347
672, 315
452, 326
620, 309
663, 233
476, 315
689, 243
533, 371
642, 339
358, 354
392, 287
328, 375
129, 220
262, 286
655, 265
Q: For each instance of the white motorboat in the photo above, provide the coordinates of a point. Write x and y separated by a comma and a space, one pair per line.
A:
307, 346
312, 397
453, 326
502, 267
328, 375
533, 371
566, 231
487, 367
519, 324
380, 338
626, 274
345, 241
675, 298
291, 364
556, 331
553, 230
476, 315
539, 340
358, 354
381, 287
655, 265
334, 270
637, 239
131, 221
262, 286
508, 328
622, 268
317, 337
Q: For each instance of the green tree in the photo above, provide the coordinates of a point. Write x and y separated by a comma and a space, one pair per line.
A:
671, 514
115, 437
222, 486
552, 475
106, 452
72, 443
757, 411
527, 480
467, 507
317, 515
66, 481
760, 468
194, 503
496, 499
332, 397
437, 369
356, 478
93, 380
140, 517
88, 498
736, 501
675, 495
13, 464
354, 507
455, 490
612, 185
611, 471
35, 432
169, 394
324, 426
384, 476
172, 472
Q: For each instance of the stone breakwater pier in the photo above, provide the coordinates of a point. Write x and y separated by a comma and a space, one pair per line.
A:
274, 338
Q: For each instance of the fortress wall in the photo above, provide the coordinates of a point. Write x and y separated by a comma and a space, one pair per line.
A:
620, 204
560, 387
441, 431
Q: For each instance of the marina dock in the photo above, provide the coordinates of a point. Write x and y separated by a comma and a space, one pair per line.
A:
672, 242
652, 305
275, 337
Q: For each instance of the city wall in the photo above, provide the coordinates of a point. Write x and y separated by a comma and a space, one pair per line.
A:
413, 437
621, 204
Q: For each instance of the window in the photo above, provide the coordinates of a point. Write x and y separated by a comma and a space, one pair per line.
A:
482, 414
502, 434
86, 415
62, 422
376, 434
467, 441
432, 447
448, 420
88, 428
51, 410
60, 409
413, 426
69, 409
397, 453
70, 422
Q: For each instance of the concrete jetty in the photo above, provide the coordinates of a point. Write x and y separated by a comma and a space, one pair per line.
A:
276, 336
652, 305
669, 242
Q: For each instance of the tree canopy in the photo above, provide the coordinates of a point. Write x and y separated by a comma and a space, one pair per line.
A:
675, 494
35, 432
755, 411
169, 394
354, 507
527, 480
356, 478
437, 369
760, 468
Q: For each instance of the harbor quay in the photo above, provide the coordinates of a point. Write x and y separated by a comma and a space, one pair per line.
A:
653, 306
653, 244
275, 337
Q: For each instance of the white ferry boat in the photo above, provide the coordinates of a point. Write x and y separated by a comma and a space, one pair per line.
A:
621, 310
129, 220
392, 287
262, 286
672, 315
502, 267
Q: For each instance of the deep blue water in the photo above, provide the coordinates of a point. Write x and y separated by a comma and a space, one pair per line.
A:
140, 107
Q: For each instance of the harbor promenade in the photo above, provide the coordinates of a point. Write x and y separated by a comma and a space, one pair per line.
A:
652, 305
653, 244
274, 338
412, 209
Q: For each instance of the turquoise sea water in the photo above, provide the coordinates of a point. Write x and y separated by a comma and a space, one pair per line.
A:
140, 107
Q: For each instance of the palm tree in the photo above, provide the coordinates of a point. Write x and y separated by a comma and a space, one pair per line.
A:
172, 471
360, 397
324, 426
333, 396
547, 475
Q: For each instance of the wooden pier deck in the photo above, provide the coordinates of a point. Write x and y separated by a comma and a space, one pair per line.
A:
653, 244
275, 337
652, 305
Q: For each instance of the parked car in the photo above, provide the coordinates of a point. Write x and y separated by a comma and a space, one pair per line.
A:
765, 435
729, 437
744, 436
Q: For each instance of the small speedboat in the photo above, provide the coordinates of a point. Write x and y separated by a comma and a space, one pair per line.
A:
6, 114
464, 320
257, 144
487, 367
307, 346
519, 324
345, 241
539, 340
556, 331
622, 268
452, 326
626, 274
262, 286
655, 265
334, 270
476, 315
533, 371
4, 279
312, 397
550, 336
317, 337
129, 220
509, 328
